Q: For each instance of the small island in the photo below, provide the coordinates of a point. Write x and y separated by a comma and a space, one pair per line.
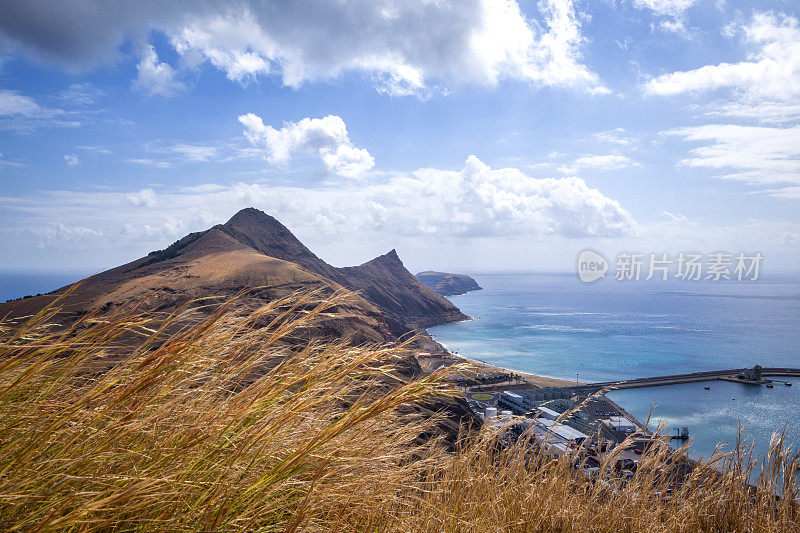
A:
448, 284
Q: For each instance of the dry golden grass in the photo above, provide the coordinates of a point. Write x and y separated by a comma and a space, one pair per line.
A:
221, 426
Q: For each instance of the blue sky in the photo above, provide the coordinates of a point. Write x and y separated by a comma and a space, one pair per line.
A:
480, 134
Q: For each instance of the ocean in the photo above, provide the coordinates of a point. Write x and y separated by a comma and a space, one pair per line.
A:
16, 284
551, 324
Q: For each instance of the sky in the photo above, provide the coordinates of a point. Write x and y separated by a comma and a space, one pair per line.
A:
469, 135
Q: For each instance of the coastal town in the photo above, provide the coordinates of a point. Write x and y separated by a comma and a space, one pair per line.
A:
577, 419
555, 415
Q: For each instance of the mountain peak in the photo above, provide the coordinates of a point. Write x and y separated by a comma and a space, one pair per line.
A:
263, 232
251, 215
390, 258
267, 235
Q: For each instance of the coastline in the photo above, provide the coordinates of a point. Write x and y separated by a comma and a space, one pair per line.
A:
533, 379
434, 346
539, 381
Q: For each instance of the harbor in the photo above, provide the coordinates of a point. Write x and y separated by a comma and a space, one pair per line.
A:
593, 410
580, 419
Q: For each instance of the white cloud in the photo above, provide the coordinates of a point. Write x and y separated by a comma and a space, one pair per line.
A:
196, 153
227, 42
12, 103
7, 163
772, 238
348, 161
765, 90
149, 162
675, 26
95, 149
673, 8
481, 201
156, 78
791, 193
404, 47
772, 71
672, 15
753, 154
601, 162
761, 112
325, 137
167, 155
80, 94
607, 161
615, 136
20, 112
71, 160
675, 217
430, 203
60, 235
145, 197
557, 53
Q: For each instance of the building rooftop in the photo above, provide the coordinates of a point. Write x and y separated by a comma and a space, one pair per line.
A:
565, 432
549, 412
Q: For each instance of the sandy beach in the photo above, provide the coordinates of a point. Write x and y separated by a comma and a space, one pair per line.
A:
533, 379
445, 357
430, 364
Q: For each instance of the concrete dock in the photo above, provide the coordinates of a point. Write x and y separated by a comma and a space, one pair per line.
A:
695, 377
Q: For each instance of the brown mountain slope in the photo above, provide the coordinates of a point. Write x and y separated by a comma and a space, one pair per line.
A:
212, 264
384, 281
255, 250
265, 234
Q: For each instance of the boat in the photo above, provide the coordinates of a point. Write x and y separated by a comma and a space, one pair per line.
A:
788, 383
770, 386
682, 434
708, 388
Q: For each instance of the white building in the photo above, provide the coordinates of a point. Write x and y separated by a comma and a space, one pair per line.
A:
565, 432
547, 413
620, 423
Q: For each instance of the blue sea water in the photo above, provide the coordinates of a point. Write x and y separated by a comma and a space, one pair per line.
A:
552, 324
16, 284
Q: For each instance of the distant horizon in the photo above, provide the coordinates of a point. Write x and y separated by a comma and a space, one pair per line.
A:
414, 270
450, 270
34, 281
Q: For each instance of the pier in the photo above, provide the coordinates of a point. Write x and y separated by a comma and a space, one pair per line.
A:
695, 377
569, 418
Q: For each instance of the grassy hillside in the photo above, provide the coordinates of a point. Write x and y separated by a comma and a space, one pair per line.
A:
121, 423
